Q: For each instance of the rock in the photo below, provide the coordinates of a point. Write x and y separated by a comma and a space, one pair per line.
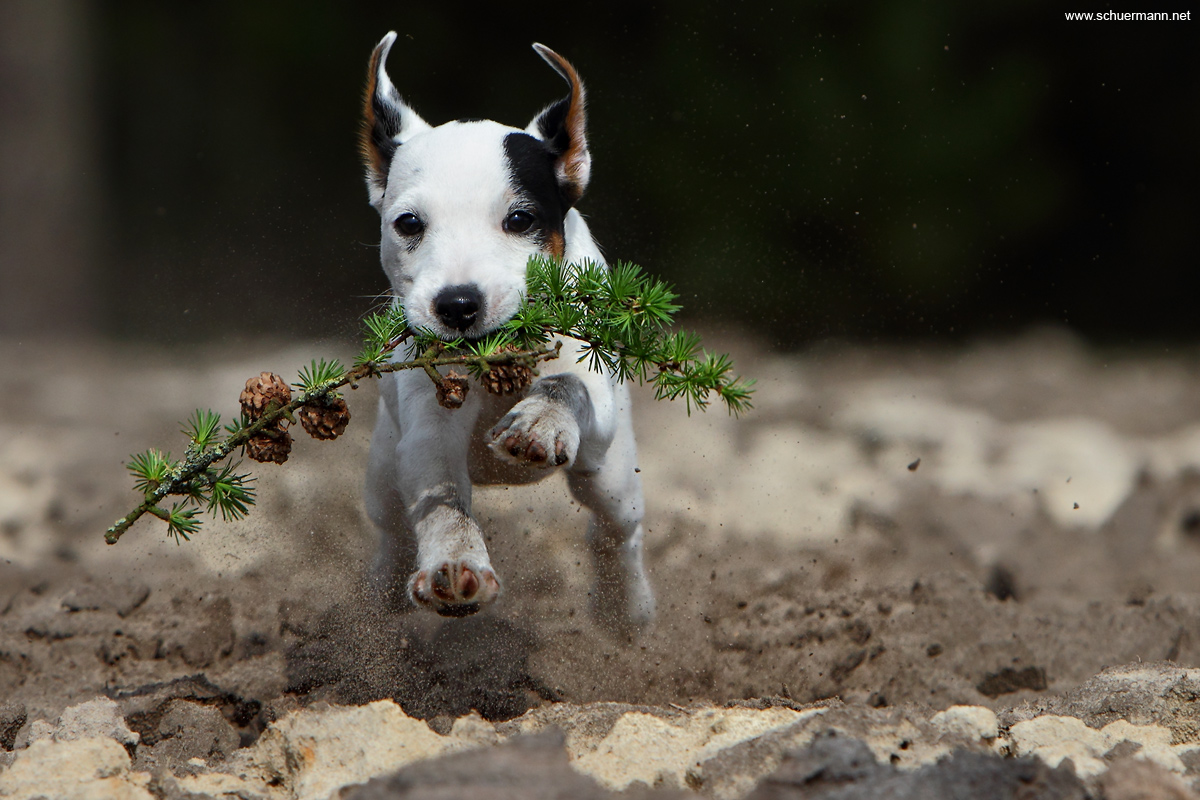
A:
95, 768
99, 717
1161, 693
145, 706
1130, 779
474, 729
723, 753
1053, 739
838, 768
524, 768
830, 759
736, 770
584, 725
968, 722
659, 751
38, 729
187, 731
310, 754
95, 718
12, 718
903, 737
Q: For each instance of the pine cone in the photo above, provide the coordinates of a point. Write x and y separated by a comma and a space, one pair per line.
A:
261, 391
325, 419
452, 390
273, 447
273, 443
507, 378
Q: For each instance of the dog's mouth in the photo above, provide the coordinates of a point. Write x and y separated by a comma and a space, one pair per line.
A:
477, 331
465, 313
470, 336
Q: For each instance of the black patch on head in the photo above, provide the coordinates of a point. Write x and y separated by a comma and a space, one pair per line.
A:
531, 167
465, 120
383, 132
552, 124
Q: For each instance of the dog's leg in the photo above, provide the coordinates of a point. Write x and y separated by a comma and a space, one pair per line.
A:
419, 493
396, 555
582, 422
622, 600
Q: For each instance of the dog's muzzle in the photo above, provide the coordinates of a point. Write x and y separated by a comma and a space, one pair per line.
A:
458, 307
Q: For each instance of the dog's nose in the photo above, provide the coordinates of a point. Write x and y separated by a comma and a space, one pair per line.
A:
458, 306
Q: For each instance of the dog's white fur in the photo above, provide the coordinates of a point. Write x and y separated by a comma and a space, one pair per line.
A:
458, 180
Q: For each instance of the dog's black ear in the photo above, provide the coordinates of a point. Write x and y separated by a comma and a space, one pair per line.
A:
563, 126
387, 122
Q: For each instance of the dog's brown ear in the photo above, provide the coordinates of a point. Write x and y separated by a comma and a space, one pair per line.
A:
563, 126
387, 122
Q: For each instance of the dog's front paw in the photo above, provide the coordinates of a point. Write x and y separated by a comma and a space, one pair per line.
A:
538, 432
621, 598
454, 589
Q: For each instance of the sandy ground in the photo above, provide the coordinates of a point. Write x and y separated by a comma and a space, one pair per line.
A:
900, 528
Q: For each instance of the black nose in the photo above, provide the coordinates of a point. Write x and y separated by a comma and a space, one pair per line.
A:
458, 306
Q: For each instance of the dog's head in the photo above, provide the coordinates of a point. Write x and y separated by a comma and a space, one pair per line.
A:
465, 204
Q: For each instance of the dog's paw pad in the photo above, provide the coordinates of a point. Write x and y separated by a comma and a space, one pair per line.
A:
454, 589
536, 433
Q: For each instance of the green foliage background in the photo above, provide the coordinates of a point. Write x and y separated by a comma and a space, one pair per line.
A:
867, 169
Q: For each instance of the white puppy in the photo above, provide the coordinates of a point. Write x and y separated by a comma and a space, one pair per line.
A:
463, 206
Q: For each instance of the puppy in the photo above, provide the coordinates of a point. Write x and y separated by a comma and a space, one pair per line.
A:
463, 206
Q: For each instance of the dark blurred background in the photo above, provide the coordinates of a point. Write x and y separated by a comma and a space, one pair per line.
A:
882, 169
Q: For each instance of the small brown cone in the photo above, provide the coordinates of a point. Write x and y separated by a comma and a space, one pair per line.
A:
273, 448
452, 390
325, 419
273, 443
507, 378
260, 391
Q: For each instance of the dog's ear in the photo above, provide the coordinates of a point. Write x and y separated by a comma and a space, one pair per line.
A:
563, 126
387, 122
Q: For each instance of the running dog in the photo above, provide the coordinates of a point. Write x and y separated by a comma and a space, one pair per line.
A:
463, 206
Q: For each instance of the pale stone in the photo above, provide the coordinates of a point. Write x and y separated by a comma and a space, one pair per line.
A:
474, 729
219, 784
96, 718
99, 717
311, 753
1054, 738
40, 729
903, 744
657, 751
969, 722
95, 768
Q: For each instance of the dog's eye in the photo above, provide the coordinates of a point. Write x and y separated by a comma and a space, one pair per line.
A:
519, 222
409, 225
